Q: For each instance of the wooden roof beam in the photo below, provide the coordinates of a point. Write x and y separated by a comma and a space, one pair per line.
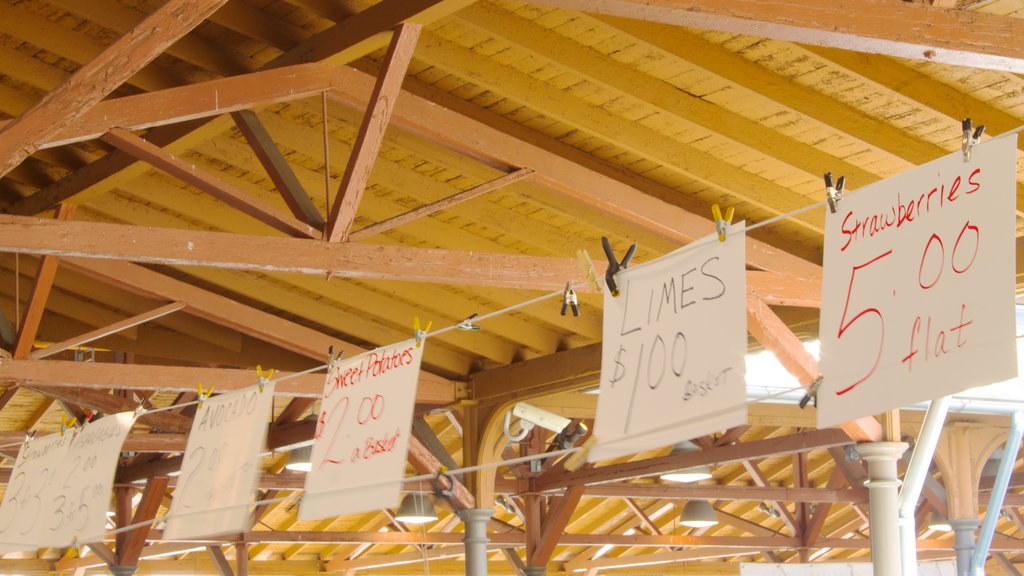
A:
618, 200
293, 255
801, 442
106, 330
40, 293
104, 376
960, 37
768, 329
152, 498
281, 174
371, 132
194, 101
190, 174
100, 76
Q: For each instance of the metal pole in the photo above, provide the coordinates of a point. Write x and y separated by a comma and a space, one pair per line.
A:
123, 570
475, 520
913, 481
995, 502
963, 543
883, 499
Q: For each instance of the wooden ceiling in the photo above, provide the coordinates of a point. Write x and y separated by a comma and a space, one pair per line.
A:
197, 156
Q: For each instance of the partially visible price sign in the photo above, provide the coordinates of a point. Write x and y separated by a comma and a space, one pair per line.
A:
27, 498
76, 508
362, 433
918, 290
221, 464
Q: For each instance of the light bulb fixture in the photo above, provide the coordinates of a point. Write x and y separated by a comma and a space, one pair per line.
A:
416, 508
300, 459
938, 523
691, 474
698, 514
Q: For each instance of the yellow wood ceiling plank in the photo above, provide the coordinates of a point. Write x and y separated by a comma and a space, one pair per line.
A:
666, 98
643, 141
20, 22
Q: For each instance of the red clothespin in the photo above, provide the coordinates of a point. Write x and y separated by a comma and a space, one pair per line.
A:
614, 265
722, 224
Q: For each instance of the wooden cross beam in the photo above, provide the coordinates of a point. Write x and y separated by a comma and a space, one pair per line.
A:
126, 56
961, 37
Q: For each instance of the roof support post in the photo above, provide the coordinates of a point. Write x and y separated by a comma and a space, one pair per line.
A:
883, 493
476, 539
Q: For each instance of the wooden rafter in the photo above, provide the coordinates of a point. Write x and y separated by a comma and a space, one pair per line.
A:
200, 100
443, 204
277, 168
560, 510
761, 481
189, 173
222, 310
616, 199
126, 56
104, 376
40, 293
107, 330
152, 498
293, 255
765, 326
783, 445
111, 403
371, 132
959, 37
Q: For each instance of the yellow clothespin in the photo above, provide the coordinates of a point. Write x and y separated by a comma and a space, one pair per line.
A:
73, 552
722, 224
262, 379
66, 424
589, 269
203, 395
420, 334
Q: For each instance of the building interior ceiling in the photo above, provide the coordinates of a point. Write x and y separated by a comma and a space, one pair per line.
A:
172, 204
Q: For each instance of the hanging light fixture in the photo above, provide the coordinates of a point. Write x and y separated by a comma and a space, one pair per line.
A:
300, 459
698, 514
416, 508
691, 474
939, 523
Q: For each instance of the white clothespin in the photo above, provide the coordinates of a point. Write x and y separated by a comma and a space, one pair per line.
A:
970, 139
466, 325
834, 193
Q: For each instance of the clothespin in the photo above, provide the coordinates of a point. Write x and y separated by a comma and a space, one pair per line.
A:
261, 379
332, 359
203, 395
970, 140
66, 424
74, 550
589, 270
569, 299
614, 265
466, 325
722, 224
418, 333
812, 393
834, 193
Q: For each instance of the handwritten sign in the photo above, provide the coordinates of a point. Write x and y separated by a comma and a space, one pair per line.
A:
221, 465
23, 512
674, 341
362, 434
917, 297
79, 497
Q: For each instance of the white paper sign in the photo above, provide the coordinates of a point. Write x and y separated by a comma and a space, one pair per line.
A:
918, 291
362, 435
221, 465
76, 508
672, 363
24, 508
